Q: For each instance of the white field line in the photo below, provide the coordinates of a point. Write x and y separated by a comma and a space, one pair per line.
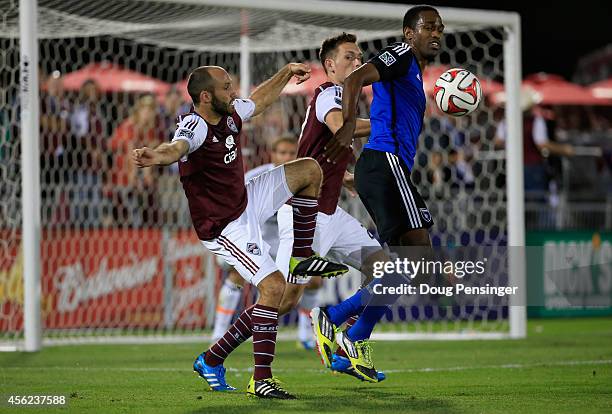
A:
312, 370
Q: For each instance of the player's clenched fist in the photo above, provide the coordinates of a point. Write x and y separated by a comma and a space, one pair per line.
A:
301, 71
145, 157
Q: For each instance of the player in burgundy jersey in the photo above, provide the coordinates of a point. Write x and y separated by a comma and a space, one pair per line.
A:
337, 233
284, 149
227, 214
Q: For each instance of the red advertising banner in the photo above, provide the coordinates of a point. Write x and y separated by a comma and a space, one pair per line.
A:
112, 278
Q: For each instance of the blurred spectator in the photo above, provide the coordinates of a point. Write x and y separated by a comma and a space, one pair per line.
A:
260, 133
54, 135
132, 190
86, 157
460, 173
536, 146
173, 106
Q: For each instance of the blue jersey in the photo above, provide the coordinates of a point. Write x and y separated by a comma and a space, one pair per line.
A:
398, 106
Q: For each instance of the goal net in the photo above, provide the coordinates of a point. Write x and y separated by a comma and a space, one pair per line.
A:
118, 256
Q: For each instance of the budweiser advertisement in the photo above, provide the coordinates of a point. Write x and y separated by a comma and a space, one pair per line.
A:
114, 278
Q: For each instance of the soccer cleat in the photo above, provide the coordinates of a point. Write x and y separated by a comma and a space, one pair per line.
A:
268, 388
343, 365
214, 376
315, 266
324, 332
360, 355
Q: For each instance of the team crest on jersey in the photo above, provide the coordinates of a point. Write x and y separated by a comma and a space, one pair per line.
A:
387, 58
425, 214
231, 124
229, 142
252, 248
184, 133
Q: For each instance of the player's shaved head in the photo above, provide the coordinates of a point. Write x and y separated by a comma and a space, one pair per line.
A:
203, 79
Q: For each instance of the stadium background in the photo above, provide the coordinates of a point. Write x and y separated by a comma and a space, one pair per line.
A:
116, 214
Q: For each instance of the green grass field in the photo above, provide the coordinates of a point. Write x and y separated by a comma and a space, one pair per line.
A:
565, 365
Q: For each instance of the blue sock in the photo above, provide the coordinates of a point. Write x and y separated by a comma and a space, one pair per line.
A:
351, 306
339, 313
362, 329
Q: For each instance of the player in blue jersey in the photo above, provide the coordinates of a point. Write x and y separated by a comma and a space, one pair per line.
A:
382, 173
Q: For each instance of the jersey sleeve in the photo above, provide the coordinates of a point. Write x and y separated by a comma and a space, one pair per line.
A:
244, 108
330, 98
193, 130
393, 61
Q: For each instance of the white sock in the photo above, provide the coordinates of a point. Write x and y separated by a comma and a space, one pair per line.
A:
309, 300
229, 297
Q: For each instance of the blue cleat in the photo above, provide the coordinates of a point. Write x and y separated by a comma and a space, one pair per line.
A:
343, 365
214, 376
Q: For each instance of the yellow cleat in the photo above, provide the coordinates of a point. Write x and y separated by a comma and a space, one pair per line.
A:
324, 331
268, 388
360, 355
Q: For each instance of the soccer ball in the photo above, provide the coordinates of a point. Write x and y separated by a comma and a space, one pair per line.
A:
457, 92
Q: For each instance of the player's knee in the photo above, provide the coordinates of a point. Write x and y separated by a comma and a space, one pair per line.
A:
311, 170
379, 256
272, 286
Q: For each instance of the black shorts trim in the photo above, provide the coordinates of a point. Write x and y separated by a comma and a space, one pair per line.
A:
383, 182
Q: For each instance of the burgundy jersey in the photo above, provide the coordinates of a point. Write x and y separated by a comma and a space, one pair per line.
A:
212, 172
315, 135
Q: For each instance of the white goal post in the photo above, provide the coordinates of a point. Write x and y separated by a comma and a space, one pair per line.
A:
254, 38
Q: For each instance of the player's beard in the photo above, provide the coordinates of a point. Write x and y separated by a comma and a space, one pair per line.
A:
221, 107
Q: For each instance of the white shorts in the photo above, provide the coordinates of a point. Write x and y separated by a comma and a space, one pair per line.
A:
270, 235
339, 236
241, 243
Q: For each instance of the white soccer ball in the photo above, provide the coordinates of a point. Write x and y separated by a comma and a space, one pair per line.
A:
457, 92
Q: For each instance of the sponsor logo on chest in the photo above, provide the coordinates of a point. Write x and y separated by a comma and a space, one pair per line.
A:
230, 144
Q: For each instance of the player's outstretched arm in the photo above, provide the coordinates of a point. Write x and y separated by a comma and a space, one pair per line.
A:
269, 91
341, 142
164, 154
